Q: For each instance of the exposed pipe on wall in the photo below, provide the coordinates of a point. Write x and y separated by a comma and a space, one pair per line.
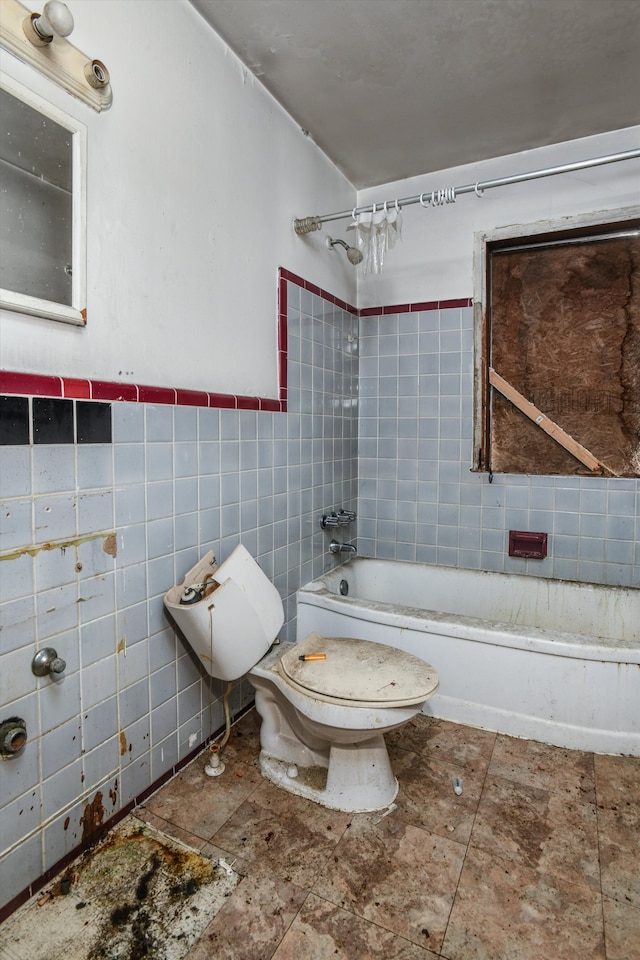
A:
449, 195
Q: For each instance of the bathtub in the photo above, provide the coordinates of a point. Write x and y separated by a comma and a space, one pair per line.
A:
549, 660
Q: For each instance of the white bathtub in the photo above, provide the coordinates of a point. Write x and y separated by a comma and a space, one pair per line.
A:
549, 660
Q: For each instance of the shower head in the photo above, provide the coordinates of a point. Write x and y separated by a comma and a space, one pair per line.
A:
354, 255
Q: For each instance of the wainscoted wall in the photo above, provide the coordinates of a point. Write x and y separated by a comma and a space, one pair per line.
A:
94, 533
418, 499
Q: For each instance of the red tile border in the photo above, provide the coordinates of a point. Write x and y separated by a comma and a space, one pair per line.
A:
192, 398
225, 400
34, 384
76, 389
247, 403
283, 333
105, 390
282, 370
291, 277
424, 307
416, 307
156, 394
400, 308
452, 304
266, 403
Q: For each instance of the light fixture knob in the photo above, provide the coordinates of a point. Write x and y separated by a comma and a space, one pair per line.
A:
56, 18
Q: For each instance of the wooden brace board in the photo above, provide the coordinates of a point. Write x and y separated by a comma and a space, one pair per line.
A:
552, 429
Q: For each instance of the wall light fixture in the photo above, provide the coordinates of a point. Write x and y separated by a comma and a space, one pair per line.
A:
40, 39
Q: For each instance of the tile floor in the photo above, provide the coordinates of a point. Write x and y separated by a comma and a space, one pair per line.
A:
538, 859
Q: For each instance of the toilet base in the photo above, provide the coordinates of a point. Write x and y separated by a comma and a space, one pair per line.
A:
358, 779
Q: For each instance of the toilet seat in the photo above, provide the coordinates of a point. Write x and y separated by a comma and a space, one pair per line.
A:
361, 673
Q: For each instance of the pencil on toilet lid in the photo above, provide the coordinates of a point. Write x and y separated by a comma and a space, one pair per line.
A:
313, 656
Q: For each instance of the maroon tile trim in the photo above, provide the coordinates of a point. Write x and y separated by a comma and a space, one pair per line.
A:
283, 332
282, 372
416, 307
32, 384
192, 398
224, 400
267, 404
452, 304
247, 403
105, 390
400, 308
76, 389
423, 307
291, 277
156, 394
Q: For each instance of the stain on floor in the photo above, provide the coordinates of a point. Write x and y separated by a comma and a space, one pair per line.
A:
137, 895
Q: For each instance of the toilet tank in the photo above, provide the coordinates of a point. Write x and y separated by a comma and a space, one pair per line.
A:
231, 628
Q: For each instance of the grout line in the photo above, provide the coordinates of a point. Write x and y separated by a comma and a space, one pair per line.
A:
599, 849
468, 844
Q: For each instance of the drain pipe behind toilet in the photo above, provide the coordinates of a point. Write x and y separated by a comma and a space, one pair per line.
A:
214, 766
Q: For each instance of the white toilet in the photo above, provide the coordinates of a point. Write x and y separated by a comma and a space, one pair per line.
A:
323, 720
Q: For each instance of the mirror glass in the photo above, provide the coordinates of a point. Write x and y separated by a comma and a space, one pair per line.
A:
41, 207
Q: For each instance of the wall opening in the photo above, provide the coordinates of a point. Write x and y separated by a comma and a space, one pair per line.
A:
560, 353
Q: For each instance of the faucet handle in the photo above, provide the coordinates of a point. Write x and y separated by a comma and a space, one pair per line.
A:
46, 662
329, 520
345, 517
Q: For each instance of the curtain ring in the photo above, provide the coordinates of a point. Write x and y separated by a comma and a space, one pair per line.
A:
422, 196
479, 193
385, 208
354, 214
397, 207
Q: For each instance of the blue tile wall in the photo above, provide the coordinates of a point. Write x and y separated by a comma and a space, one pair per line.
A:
93, 535
418, 499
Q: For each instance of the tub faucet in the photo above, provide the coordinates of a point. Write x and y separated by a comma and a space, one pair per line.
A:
335, 547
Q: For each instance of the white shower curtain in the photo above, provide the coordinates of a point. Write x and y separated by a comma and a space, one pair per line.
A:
376, 232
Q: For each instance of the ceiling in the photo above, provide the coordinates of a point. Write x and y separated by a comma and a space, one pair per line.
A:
390, 89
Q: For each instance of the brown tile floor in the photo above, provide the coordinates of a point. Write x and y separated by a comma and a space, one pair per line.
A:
538, 859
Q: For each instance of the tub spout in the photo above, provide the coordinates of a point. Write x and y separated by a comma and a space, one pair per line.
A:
335, 547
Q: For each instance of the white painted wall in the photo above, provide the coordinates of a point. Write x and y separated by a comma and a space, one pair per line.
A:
195, 176
434, 261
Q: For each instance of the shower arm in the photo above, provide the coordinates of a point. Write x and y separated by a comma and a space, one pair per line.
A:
438, 197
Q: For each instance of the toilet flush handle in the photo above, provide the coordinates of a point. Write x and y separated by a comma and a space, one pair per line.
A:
46, 662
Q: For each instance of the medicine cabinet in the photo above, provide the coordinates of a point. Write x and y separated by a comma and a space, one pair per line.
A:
42, 207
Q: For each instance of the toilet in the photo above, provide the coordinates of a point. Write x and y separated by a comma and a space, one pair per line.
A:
325, 702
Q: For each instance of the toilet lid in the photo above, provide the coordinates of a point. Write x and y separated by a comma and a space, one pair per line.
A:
360, 671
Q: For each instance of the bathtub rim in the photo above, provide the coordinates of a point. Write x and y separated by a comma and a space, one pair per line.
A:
495, 632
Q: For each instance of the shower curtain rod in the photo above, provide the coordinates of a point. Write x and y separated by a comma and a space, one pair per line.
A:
448, 195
